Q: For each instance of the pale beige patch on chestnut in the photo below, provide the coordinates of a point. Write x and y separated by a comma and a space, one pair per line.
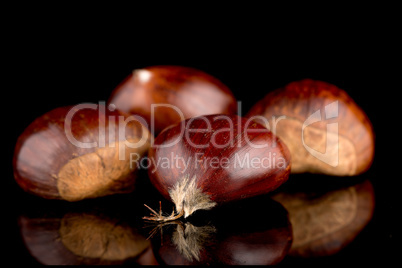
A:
99, 173
90, 236
290, 131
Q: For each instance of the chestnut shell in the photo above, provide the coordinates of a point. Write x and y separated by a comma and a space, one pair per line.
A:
222, 182
46, 163
192, 91
342, 138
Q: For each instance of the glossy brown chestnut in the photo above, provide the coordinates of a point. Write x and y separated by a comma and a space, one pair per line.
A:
324, 223
78, 152
227, 238
215, 159
324, 129
191, 92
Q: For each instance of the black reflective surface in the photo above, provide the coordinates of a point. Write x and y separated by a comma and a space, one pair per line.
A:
110, 231
105, 231
311, 219
251, 232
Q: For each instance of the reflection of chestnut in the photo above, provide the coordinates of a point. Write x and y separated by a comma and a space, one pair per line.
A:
324, 129
81, 238
147, 258
191, 92
73, 153
253, 232
324, 223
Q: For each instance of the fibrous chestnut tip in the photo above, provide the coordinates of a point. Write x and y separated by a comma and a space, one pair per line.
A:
157, 216
187, 198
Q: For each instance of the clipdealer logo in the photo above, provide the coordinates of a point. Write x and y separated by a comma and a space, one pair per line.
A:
330, 156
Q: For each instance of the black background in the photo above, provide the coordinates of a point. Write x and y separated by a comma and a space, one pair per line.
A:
55, 60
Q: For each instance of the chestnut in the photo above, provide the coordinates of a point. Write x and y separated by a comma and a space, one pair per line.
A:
214, 159
325, 222
164, 95
213, 239
324, 129
78, 152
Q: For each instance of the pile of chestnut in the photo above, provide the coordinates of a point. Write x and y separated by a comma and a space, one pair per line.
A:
182, 124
